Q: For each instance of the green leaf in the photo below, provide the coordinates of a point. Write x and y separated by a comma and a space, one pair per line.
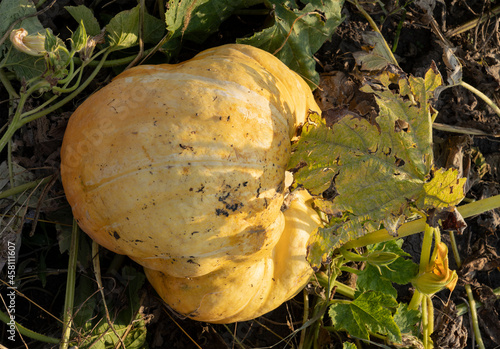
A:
135, 280
297, 34
12, 10
380, 277
407, 320
349, 345
369, 312
79, 38
123, 29
51, 41
370, 278
128, 324
154, 29
22, 64
86, 304
196, 20
83, 14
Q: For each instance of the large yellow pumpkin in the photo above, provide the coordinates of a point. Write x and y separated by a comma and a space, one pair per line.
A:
181, 167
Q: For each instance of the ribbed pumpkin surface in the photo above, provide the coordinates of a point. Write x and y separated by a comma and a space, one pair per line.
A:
245, 290
181, 167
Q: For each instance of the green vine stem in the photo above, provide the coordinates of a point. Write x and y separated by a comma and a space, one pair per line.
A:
473, 315
425, 323
112, 62
305, 317
29, 333
68, 97
463, 308
23, 187
417, 226
70, 287
416, 300
341, 288
427, 314
18, 121
472, 302
425, 254
8, 86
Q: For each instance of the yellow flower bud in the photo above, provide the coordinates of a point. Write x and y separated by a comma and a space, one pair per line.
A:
31, 44
437, 275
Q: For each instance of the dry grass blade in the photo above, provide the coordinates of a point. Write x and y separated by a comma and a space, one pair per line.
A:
183, 331
472, 24
19, 293
462, 130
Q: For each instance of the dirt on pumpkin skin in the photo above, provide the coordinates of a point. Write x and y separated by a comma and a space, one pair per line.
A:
473, 148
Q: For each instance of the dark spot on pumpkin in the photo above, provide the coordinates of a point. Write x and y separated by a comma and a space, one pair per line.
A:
234, 207
224, 197
245, 184
194, 232
186, 147
116, 235
221, 212
190, 189
137, 240
193, 262
200, 189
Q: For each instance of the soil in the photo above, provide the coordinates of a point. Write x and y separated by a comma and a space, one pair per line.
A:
37, 146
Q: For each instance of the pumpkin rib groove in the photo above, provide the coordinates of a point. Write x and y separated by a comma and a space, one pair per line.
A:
222, 163
227, 87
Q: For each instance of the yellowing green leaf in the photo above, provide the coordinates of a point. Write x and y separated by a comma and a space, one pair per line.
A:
377, 170
319, 246
445, 189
